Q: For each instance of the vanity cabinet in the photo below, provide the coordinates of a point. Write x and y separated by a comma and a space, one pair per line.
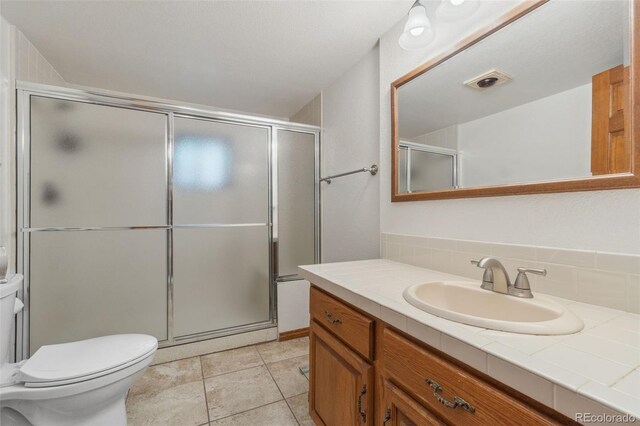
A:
341, 382
355, 360
399, 409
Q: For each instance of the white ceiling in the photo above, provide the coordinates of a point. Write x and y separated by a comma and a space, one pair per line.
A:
265, 57
557, 47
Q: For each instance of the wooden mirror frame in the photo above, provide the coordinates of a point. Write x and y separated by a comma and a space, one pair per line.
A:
594, 183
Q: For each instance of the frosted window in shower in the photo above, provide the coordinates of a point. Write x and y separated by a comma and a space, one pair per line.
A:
86, 284
221, 278
296, 201
96, 166
220, 173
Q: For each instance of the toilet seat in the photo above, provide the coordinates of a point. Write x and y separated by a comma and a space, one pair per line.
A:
68, 363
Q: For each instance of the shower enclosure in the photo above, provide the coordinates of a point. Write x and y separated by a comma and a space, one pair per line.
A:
139, 216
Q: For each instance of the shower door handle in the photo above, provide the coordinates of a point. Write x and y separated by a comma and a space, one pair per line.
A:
274, 254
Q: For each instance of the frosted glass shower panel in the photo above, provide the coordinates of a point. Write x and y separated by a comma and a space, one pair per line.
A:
94, 283
220, 278
296, 201
220, 172
96, 166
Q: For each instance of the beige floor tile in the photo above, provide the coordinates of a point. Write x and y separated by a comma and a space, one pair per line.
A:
288, 376
229, 361
277, 351
240, 391
300, 406
276, 414
181, 405
164, 376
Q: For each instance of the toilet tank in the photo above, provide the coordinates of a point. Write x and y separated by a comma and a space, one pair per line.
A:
8, 310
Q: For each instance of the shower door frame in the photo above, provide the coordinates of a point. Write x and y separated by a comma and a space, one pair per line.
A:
24, 91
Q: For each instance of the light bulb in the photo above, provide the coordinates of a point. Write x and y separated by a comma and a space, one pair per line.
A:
417, 32
451, 10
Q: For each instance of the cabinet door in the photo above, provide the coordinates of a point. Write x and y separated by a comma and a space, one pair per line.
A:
341, 383
610, 128
399, 409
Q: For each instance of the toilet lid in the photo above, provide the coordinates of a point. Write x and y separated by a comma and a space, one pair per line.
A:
76, 361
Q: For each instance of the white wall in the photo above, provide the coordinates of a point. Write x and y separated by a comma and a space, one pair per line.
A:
293, 305
603, 220
311, 113
7, 118
546, 139
350, 134
446, 137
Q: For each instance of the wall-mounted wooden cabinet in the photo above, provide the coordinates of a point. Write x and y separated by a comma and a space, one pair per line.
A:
364, 372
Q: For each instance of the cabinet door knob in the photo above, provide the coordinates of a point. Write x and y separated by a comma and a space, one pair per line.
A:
457, 401
331, 319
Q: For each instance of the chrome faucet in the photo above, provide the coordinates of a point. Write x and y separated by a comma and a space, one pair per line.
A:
496, 278
501, 282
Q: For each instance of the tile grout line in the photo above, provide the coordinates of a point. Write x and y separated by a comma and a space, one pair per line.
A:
233, 371
204, 387
290, 409
251, 409
279, 390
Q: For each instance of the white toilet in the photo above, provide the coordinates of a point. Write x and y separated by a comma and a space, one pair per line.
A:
77, 383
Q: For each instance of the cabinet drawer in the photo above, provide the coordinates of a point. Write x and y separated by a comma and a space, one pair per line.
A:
412, 367
355, 329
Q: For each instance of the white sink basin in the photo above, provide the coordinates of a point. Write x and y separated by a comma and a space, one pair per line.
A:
463, 302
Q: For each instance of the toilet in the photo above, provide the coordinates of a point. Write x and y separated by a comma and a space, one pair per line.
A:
77, 383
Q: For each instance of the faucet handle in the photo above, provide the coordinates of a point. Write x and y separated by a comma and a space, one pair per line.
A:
521, 287
542, 272
487, 276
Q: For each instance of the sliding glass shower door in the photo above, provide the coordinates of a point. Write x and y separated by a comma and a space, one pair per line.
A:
96, 174
221, 226
143, 217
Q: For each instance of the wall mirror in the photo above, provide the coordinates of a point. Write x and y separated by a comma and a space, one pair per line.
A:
546, 100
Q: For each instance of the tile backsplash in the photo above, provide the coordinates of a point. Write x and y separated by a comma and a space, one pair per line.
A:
606, 279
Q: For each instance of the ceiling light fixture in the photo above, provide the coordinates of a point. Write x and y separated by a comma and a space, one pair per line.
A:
418, 32
450, 10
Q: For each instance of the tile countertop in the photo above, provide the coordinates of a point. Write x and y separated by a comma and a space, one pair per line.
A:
596, 370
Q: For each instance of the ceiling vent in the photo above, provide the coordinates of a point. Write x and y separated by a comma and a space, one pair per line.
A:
488, 80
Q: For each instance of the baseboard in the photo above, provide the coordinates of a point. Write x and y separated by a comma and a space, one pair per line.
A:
293, 334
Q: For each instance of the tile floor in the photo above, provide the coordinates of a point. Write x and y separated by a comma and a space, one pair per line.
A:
255, 385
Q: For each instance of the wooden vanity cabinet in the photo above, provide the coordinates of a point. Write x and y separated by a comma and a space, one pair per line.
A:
354, 358
399, 409
341, 382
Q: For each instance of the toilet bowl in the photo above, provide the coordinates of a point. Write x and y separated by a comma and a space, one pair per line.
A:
77, 383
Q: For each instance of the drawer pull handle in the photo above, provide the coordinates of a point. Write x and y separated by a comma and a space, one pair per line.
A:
387, 416
363, 415
457, 401
331, 319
